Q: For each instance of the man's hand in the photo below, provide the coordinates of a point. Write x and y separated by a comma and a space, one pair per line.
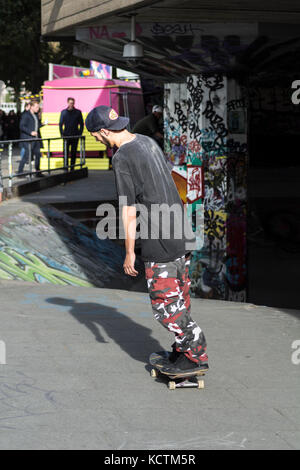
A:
34, 134
129, 222
129, 264
158, 135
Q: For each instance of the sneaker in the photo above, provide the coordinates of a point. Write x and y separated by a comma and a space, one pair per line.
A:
182, 364
174, 354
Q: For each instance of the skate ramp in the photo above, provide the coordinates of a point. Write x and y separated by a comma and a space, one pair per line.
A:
41, 244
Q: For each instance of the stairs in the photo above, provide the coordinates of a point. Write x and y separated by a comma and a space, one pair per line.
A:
85, 213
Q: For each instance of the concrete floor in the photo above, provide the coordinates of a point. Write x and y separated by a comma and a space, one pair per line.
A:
76, 374
98, 186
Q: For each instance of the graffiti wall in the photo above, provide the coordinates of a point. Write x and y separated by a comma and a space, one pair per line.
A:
213, 174
44, 245
175, 122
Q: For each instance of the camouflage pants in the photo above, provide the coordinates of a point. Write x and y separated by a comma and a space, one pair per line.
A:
169, 289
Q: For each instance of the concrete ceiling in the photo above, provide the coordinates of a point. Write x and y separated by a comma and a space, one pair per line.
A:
174, 51
181, 37
62, 17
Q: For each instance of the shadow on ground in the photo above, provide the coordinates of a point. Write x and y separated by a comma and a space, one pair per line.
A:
133, 338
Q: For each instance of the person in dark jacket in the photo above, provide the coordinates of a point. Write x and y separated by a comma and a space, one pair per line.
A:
150, 125
2, 125
71, 124
22, 144
30, 125
12, 126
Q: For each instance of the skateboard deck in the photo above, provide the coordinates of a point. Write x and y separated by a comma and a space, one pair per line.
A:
189, 378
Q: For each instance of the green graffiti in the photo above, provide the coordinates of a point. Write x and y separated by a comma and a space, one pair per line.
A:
4, 275
27, 267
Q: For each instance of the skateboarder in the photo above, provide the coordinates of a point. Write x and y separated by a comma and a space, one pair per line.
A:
143, 177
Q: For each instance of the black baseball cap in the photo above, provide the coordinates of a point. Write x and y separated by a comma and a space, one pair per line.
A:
104, 117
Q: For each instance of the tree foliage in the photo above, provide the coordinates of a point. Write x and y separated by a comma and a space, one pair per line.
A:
23, 56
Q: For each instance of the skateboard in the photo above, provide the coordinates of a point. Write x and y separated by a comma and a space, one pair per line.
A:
161, 365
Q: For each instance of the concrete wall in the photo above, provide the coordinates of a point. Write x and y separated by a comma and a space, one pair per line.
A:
61, 14
65, 15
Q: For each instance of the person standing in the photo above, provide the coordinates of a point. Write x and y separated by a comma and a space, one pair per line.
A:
71, 124
12, 126
22, 146
30, 125
143, 177
151, 125
2, 125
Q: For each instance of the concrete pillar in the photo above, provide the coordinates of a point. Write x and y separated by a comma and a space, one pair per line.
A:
175, 116
207, 141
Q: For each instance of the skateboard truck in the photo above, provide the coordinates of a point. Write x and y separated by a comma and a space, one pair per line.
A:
189, 382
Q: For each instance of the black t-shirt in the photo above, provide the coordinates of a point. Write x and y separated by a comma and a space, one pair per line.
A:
147, 126
144, 179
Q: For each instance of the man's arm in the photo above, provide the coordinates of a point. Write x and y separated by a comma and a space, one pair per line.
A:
81, 124
159, 135
154, 128
129, 223
61, 123
126, 192
25, 124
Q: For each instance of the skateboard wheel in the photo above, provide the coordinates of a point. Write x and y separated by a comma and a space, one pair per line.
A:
200, 384
172, 385
153, 373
